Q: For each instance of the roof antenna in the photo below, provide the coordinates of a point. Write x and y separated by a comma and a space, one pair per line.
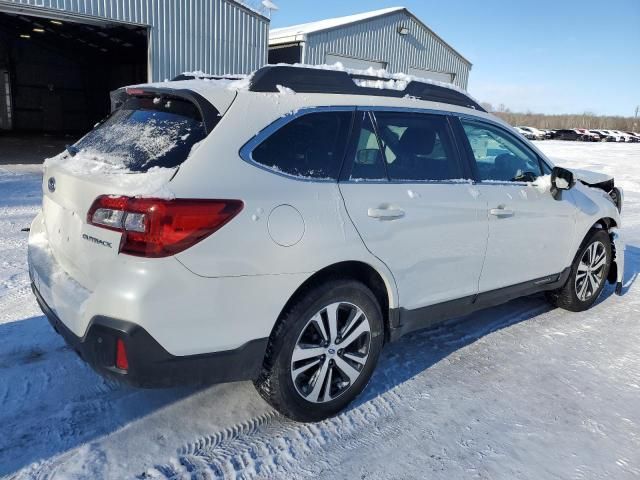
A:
270, 6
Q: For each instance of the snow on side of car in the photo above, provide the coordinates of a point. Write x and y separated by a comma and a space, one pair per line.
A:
41, 253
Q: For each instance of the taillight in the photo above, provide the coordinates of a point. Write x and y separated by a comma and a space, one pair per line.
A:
154, 227
122, 362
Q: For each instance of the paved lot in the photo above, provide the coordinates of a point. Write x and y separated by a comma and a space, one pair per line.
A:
31, 149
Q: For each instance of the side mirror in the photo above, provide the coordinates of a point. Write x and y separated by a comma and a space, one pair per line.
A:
561, 179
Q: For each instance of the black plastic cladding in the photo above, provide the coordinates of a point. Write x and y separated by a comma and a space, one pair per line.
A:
313, 80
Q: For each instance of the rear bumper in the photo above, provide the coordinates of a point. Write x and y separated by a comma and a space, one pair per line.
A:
150, 365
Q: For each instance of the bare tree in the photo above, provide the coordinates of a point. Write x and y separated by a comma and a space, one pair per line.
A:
588, 120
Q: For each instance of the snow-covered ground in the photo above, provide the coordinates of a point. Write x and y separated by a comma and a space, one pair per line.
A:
513, 392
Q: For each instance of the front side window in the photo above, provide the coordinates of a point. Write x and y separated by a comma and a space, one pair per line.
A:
417, 147
499, 156
311, 146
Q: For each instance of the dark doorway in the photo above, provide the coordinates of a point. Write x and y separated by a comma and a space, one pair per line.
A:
291, 53
56, 75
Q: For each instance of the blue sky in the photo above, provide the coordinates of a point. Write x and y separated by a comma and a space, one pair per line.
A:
545, 56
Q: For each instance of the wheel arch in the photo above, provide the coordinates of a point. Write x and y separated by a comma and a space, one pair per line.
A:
606, 224
382, 286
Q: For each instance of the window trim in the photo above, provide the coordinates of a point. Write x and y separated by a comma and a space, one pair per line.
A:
471, 159
246, 151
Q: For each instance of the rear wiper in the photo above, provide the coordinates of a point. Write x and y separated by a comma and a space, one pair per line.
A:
71, 150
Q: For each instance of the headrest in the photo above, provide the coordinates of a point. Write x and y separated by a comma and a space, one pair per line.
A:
417, 140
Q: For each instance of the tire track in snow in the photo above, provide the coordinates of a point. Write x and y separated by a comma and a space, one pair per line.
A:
272, 445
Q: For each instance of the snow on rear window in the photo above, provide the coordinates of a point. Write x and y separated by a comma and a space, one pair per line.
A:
145, 132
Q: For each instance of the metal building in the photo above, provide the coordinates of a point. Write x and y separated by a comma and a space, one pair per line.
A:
392, 38
60, 58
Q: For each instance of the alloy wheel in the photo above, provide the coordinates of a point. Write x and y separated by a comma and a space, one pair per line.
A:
331, 352
590, 274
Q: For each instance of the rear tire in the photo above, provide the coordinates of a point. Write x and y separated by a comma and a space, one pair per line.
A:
323, 351
588, 276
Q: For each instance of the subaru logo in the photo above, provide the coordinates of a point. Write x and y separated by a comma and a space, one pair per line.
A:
52, 184
332, 351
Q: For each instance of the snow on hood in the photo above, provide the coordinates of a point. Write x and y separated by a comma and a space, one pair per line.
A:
589, 177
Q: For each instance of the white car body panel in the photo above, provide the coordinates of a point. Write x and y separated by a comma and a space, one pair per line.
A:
436, 249
202, 315
533, 240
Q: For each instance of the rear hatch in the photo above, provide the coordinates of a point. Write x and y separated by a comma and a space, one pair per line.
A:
134, 152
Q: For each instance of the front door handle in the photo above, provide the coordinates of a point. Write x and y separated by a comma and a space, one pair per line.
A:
501, 212
385, 213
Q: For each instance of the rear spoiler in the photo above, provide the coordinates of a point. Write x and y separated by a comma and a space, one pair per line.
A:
210, 114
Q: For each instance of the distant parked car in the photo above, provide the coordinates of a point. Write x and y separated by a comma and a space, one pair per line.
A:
548, 134
525, 133
595, 136
603, 135
567, 134
537, 134
587, 135
613, 136
625, 136
635, 137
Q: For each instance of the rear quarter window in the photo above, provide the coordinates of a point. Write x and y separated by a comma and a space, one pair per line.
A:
311, 146
145, 132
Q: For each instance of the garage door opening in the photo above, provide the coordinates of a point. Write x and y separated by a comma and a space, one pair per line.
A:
55, 79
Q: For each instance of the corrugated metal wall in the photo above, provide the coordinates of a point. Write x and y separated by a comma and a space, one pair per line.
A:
378, 40
215, 36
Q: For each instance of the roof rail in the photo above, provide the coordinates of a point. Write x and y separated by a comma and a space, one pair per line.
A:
315, 80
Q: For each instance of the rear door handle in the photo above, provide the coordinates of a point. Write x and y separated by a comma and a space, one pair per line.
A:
385, 213
501, 212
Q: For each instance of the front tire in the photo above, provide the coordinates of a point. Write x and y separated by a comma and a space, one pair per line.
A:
323, 351
588, 275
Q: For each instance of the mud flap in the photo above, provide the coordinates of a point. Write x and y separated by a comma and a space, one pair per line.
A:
618, 258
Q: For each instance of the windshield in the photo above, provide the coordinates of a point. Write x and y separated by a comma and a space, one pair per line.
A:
145, 132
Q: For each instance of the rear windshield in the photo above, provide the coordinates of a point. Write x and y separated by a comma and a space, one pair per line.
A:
145, 132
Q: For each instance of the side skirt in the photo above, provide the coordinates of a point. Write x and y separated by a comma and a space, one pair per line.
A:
405, 321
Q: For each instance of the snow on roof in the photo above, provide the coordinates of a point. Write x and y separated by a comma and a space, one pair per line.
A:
306, 28
222, 88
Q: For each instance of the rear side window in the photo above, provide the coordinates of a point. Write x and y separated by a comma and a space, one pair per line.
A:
311, 146
145, 132
417, 147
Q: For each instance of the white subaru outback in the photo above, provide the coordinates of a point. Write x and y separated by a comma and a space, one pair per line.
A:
284, 227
